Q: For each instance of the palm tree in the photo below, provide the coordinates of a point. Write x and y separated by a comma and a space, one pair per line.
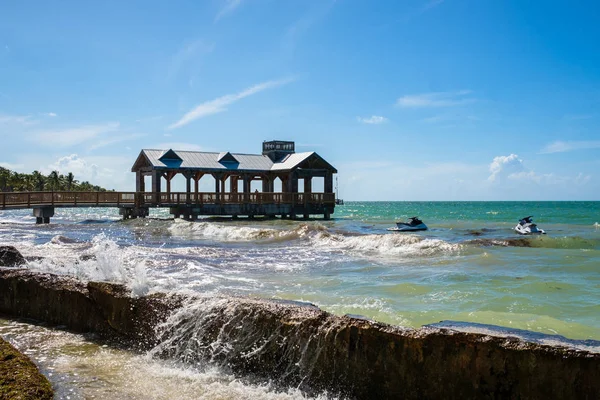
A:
39, 181
54, 180
70, 180
4, 177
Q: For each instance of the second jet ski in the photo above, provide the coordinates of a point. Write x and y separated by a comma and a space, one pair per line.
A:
527, 227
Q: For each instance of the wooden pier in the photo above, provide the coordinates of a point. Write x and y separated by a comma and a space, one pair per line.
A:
278, 161
181, 204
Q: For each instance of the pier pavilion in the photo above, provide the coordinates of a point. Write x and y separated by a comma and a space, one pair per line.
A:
233, 174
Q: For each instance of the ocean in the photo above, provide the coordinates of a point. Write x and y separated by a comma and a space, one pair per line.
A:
470, 266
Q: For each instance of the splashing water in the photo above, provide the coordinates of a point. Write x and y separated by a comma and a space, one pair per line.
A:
103, 260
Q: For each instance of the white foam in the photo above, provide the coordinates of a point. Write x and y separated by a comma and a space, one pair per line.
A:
106, 261
387, 244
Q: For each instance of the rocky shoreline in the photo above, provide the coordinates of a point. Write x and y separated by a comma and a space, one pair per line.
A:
299, 345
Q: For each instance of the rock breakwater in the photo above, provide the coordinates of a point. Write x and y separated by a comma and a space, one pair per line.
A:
295, 344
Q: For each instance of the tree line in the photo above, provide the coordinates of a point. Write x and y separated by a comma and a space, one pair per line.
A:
11, 181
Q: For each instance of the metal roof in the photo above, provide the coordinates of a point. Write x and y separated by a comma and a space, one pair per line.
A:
290, 161
210, 160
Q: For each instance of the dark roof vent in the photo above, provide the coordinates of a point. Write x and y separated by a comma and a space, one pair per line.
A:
226, 157
170, 155
276, 150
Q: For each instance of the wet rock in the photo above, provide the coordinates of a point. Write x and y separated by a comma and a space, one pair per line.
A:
86, 257
295, 345
10, 257
20, 378
55, 299
34, 258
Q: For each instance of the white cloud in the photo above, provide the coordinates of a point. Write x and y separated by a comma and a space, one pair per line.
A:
511, 177
186, 55
82, 170
16, 119
299, 28
50, 114
432, 4
503, 166
561, 147
13, 167
230, 6
374, 119
218, 105
435, 99
149, 119
110, 172
72, 136
115, 139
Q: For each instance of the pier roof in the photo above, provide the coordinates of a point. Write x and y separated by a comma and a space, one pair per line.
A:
213, 161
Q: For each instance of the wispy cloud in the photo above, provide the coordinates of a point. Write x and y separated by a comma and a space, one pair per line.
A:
431, 4
17, 119
149, 119
417, 11
219, 104
72, 136
115, 139
50, 114
228, 8
13, 167
561, 147
435, 99
295, 31
186, 54
374, 119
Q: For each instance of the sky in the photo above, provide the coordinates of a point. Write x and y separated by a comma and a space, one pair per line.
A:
409, 100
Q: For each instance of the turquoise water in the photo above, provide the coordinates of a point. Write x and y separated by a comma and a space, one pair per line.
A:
469, 266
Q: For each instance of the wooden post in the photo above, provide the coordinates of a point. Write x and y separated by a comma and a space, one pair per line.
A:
188, 186
197, 177
223, 191
307, 196
139, 182
247, 184
156, 177
329, 182
217, 187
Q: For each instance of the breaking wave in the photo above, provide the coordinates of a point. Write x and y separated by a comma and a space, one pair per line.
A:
388, 244
225, 232
320, 236
101, 259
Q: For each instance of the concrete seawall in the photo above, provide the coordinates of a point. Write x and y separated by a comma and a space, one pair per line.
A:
300, 345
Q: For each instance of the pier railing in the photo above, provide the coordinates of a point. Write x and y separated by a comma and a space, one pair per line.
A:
12, 200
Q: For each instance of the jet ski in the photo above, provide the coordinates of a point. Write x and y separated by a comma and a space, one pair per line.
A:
527, 227
413, 224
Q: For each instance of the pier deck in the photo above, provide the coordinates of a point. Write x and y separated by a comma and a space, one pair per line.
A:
182, 204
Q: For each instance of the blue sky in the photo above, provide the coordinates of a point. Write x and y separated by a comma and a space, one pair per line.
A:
410, 100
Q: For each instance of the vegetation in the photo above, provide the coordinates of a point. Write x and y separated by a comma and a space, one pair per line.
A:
19, 377
11, 181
